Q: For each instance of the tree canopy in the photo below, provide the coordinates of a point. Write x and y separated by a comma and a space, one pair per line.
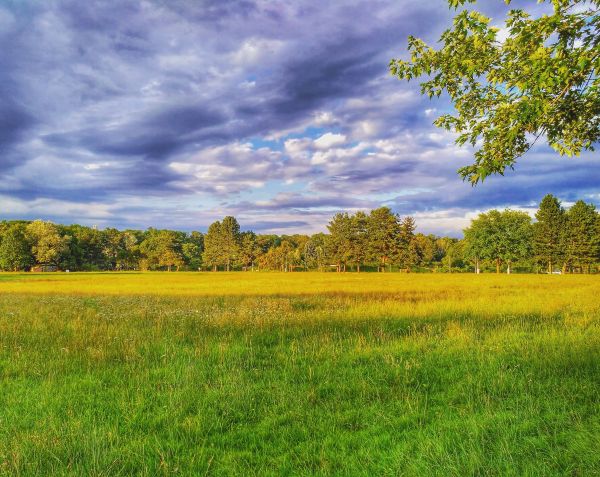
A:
542, 80
359, 241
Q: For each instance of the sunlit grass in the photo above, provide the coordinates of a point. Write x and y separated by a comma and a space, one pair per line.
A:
299, 374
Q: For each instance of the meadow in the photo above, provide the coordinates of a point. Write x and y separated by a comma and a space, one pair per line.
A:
299, 374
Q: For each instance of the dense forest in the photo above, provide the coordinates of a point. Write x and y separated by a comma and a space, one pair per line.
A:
558, 240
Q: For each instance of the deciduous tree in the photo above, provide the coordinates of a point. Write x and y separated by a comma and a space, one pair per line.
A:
15, 252
541, 81
47, 244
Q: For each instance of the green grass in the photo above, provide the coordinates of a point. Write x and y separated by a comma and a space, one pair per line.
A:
299, 374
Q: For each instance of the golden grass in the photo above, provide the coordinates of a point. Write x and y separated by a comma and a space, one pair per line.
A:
299, 374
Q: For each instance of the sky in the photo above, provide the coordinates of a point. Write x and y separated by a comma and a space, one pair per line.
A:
176, 113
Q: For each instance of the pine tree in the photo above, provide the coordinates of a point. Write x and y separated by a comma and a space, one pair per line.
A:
580, 237
212, 246
359, 239
408, 251
339, 242
384, 231
548, 232
230, 241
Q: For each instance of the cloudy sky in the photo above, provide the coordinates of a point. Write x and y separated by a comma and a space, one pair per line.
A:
176, 113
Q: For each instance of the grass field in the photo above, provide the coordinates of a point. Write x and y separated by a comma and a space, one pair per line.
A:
299, 374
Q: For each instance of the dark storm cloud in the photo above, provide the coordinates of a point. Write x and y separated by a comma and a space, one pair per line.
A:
14, 123
156, 136
535, 176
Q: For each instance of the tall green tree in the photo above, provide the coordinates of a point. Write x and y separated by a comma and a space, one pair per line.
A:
47, 244
477, 238
212, 255
541, 81
112, 247
230, 241
581, 242
408, 254
163, 248
503, 237
428, 251
192, 248
249, 250
359, 239
384, 231
451, 250
129, 254
15, 252
314, 252
87, 248
548, 232
516, 235
339, 240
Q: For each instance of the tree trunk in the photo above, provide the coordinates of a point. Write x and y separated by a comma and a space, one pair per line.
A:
508, 268
358, 268
550, 266
477, 271
497, 265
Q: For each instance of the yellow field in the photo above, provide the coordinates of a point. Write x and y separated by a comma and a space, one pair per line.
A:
412, 293
299, 374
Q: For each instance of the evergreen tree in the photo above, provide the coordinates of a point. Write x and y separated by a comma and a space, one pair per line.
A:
548, 232
384, 231
339, 241
359, 239
408, 250
229, 241
581, 237
212, 246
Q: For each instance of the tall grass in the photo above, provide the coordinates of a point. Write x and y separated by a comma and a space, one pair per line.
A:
299, 374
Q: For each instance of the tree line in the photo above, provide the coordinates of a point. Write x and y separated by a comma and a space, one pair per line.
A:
558, 240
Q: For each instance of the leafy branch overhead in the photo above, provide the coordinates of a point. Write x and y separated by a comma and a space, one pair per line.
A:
542, 80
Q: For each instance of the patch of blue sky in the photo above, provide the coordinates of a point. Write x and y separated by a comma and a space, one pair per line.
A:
312, 132
260, 143
271, 189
